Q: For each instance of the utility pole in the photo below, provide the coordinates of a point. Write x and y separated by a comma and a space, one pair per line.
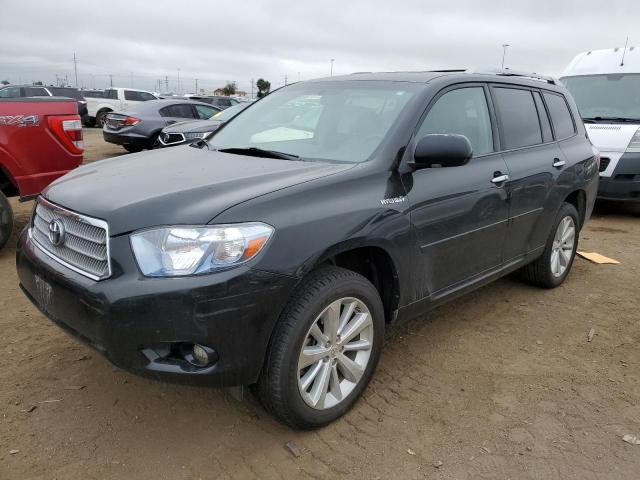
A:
332, 60
75, 67
285, 80
252, 88
111, 80
166, 83
178, 87
504, 53
196, 86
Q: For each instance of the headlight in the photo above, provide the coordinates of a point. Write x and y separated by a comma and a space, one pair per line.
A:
176, 251
634, 144
194, 135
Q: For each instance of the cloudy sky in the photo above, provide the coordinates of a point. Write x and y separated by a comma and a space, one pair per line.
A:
139, 42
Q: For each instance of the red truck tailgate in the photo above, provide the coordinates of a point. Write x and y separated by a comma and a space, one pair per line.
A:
39, 140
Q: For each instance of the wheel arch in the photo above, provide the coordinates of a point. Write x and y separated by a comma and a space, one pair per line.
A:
578, 198
375, 263
8, 186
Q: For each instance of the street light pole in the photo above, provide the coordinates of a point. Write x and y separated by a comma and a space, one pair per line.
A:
504, 53
178, 86
332, 60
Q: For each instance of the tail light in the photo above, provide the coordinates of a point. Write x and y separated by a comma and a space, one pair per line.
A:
129, 121
68, 129
117, 121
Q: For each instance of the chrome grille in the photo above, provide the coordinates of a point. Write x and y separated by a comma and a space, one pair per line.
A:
83, 246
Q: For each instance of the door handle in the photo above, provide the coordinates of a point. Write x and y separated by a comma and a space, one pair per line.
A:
500, 179
558, 163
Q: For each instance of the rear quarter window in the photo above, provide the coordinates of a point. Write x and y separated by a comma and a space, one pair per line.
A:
561, 117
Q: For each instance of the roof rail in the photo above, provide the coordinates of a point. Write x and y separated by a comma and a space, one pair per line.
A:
512, 73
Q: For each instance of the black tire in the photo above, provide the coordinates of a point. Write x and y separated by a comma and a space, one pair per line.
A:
6, 220
132, 148
101, 117
277, 387
540, 272
153, 141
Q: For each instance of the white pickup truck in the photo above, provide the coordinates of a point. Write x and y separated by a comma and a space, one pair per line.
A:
99, 103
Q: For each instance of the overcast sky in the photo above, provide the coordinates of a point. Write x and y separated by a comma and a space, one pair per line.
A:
139, 42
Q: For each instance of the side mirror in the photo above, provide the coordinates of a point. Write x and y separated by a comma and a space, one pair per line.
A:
443, 150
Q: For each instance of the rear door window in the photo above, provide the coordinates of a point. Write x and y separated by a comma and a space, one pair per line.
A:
465, 112
111, 94
183, 110
35, 92
518, 117
135, 96
561, 117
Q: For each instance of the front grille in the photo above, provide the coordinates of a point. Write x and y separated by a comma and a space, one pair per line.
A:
604, 163
80, 244
170, 138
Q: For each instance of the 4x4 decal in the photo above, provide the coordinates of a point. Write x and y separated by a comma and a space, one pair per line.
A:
20, 120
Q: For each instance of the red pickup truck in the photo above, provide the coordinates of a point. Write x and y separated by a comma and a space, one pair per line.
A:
40, 140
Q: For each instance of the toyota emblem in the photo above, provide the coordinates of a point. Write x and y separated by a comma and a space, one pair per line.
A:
56, 232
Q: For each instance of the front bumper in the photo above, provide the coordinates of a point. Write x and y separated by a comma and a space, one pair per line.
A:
624, 183
137, 322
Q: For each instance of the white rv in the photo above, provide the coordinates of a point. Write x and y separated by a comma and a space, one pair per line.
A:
606, 86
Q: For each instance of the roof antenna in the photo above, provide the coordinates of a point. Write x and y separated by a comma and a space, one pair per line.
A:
624, 51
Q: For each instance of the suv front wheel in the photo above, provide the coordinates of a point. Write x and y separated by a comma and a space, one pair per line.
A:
553, 266
324, 350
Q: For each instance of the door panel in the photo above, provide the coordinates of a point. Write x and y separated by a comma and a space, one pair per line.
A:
460, 218
531, 179
459, 214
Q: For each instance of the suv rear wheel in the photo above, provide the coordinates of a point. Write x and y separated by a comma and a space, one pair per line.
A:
101, 117
6, 220
324, 350
553, 266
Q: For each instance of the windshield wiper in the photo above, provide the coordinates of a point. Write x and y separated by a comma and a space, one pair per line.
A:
259, 152
611, 119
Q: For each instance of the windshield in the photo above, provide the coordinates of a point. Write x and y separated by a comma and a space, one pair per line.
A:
230, 112
607, 96
335, 121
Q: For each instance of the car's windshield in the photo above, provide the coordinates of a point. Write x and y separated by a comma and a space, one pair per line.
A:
335, 121
230, 112
606, 96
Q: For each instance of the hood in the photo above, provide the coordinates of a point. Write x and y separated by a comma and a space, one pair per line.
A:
611, 137
181, 185
194, 126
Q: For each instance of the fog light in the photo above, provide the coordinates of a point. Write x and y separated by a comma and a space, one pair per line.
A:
200, 355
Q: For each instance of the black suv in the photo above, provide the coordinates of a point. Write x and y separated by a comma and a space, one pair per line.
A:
277, 251
16, 91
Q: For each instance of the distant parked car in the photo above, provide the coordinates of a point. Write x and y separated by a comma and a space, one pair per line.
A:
139, 129
186, 132
215, 100
606, 86
18, 91
115, 99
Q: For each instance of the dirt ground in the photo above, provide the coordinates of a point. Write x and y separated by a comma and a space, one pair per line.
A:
499, 384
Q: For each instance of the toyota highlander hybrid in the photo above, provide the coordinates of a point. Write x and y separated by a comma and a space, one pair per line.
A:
275, 252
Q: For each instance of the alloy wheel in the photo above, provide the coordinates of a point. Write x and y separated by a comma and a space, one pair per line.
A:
335, 353
563, 245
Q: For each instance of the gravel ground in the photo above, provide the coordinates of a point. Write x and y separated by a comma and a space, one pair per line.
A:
499, 384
